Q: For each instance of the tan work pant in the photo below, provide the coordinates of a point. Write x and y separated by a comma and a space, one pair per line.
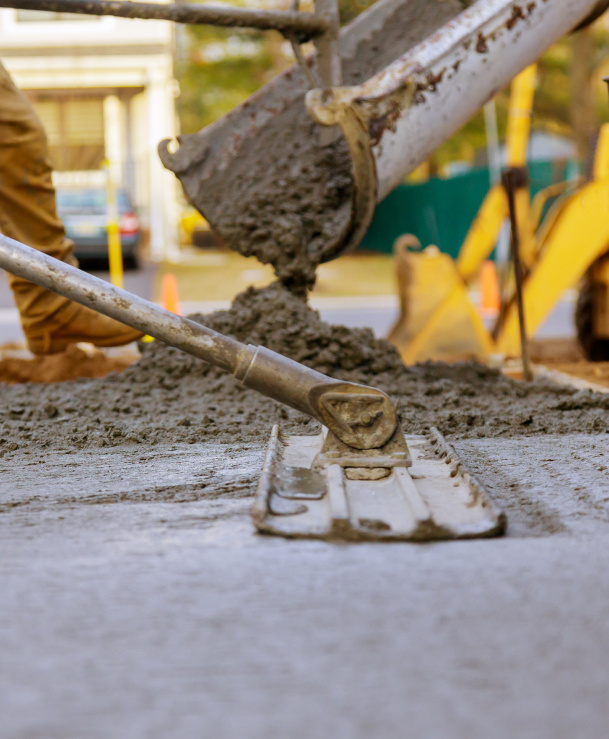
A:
27, 203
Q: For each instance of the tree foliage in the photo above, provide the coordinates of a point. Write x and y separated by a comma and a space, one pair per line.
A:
219, 68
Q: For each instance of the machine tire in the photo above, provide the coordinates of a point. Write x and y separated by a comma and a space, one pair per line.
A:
595, 350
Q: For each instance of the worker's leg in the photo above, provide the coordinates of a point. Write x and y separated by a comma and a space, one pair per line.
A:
27, 200
27, 214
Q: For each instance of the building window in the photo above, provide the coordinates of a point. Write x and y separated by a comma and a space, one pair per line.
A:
44, 16
75, 131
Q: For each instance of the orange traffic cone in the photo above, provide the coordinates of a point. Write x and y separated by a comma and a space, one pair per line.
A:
490, 300
170, 296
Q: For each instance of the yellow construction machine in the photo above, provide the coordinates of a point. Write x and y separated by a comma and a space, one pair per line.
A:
568, 246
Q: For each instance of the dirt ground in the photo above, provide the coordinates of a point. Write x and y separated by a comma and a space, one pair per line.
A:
565, 356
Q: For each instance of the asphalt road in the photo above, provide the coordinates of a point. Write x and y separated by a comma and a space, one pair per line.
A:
376, 313
138, 603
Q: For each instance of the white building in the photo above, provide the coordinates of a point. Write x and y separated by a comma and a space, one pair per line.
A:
104, 89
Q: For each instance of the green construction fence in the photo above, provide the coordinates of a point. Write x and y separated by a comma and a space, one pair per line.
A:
441, 210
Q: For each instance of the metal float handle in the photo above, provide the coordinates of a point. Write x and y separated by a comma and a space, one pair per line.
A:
362, 417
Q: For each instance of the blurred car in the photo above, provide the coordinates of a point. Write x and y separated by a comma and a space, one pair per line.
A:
84, 215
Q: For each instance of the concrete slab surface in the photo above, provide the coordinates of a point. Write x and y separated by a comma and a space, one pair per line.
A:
137, 602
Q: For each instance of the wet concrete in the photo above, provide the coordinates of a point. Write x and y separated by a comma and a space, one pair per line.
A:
169, 396
279, 195
138, 602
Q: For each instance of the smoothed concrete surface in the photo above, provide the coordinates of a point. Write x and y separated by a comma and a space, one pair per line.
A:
136, 601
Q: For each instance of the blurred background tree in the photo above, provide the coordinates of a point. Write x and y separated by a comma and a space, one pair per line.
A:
217, 69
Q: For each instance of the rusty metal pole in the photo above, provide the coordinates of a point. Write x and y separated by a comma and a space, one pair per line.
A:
510, 176
304, 25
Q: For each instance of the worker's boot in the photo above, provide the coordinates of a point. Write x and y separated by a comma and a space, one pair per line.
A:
27, 213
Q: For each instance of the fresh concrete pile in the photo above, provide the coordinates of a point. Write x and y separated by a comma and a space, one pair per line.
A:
169, 396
